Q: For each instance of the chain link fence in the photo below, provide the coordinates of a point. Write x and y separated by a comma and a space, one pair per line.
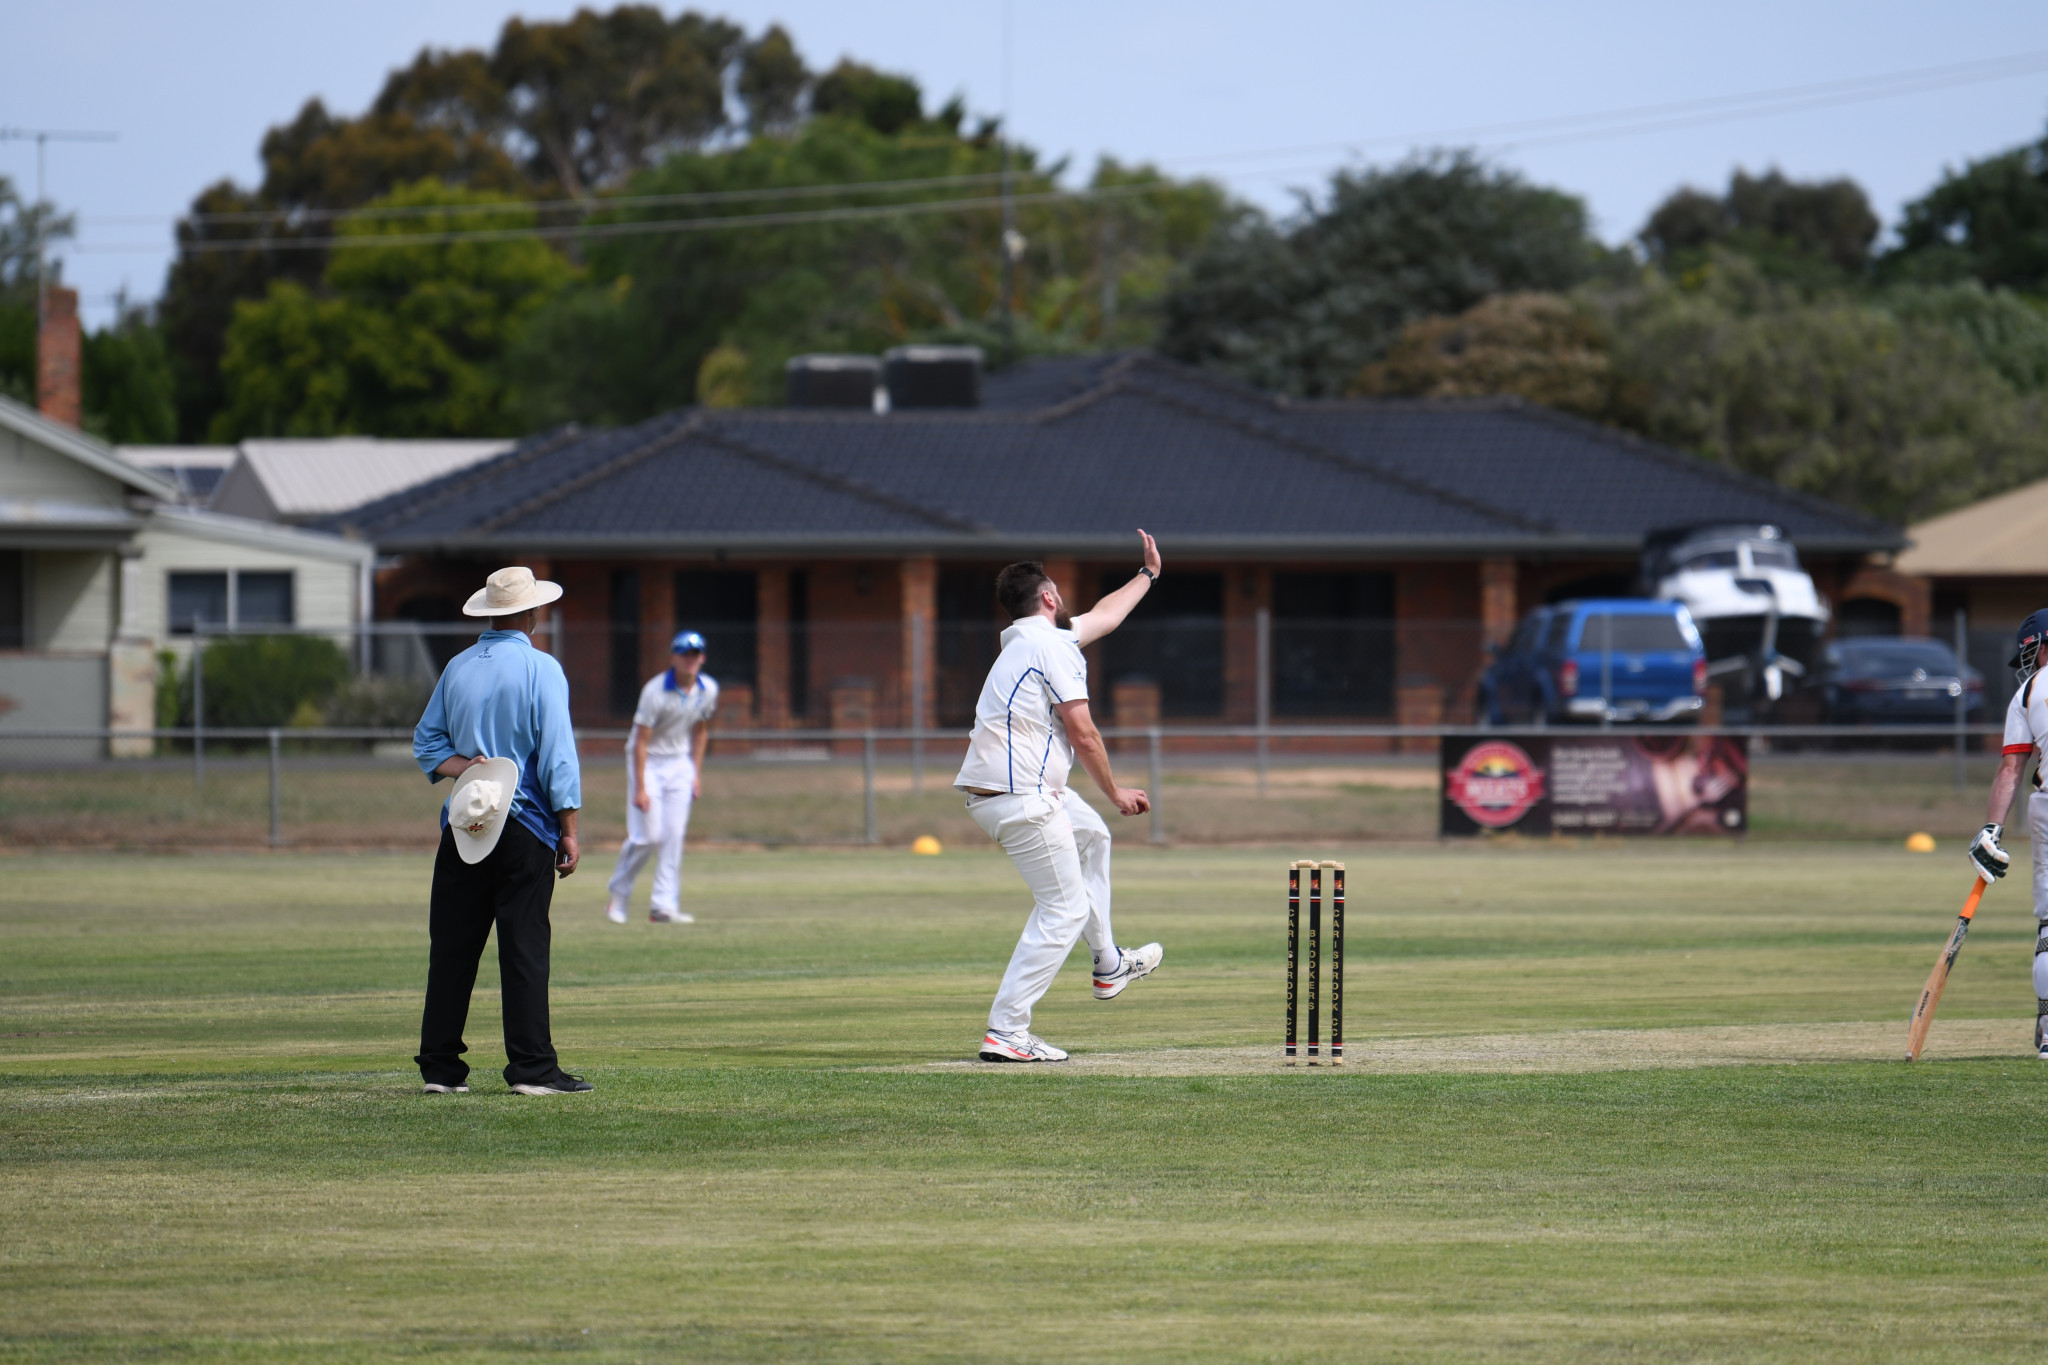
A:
1246, 725
334, 788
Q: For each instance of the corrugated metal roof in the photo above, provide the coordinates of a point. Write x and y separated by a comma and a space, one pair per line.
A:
319, 477
2005, 535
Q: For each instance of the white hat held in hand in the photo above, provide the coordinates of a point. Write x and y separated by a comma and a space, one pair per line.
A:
479, 804
511, 590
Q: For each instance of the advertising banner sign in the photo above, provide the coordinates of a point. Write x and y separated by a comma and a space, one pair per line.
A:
1595, 783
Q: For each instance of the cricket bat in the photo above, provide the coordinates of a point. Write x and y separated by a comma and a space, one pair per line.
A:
1930, 994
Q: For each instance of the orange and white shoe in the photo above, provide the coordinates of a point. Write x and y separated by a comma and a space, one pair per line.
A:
1132, 963
1018, 1047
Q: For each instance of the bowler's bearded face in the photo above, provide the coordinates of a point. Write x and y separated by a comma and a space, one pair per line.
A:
1060, 615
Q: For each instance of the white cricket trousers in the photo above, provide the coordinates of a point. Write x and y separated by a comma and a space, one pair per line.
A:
2037, 828
1061, 848
658, 831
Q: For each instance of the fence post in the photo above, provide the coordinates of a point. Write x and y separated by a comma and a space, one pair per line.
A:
867, 774
1607, 671
198, 705
1962, 692
1152, 743
1262, 691
276, 829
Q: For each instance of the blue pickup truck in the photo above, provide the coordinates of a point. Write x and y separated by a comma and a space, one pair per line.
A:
1614, 659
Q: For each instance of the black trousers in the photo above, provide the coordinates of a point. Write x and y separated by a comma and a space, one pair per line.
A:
511, 888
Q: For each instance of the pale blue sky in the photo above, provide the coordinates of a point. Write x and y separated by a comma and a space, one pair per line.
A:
191, 86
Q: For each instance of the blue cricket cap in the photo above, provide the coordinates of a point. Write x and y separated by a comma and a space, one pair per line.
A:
689, 642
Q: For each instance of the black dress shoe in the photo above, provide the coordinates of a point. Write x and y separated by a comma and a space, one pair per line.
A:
561, 1083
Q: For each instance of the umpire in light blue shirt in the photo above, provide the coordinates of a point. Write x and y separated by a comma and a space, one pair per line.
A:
505, 701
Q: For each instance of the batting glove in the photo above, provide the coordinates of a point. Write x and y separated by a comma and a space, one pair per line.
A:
1986, 857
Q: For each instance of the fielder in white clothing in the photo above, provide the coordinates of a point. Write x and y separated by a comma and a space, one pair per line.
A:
664, 755
1030, 724
2026, 736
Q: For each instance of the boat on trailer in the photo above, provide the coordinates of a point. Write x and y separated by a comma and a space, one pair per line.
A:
1757, 609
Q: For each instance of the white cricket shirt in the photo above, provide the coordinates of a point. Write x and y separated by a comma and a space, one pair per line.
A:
1018, 744
669, 713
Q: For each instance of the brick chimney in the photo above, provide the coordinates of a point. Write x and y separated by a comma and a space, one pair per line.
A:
57, 353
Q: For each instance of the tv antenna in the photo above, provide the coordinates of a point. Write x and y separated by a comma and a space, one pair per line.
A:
43, 137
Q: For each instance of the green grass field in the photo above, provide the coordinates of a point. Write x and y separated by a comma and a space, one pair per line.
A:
1605, 1103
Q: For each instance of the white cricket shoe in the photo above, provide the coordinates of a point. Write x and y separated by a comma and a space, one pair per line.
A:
436, 1088
2041, 1037
1018, 1047
1132, 963
617, 911
670, 917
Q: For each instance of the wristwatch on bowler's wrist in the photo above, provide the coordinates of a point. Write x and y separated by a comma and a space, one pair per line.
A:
1148, 573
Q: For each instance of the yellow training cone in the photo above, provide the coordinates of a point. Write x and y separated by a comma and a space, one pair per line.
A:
926, 845
1921, 842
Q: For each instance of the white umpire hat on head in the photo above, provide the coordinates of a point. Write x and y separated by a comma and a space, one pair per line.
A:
479, 805
511, 590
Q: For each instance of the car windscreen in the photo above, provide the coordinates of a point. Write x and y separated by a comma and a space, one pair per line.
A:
1896, 658
1633, 633
1779, 556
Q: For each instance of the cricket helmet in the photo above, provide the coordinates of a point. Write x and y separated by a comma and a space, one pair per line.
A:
2032, 631
688, 642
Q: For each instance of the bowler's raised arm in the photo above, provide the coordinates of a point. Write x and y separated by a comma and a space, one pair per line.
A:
1106, 615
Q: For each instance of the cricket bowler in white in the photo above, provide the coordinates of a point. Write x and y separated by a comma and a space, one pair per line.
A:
2026, 735
664, 762
1030, 724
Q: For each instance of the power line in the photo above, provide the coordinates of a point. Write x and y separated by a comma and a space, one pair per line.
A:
1851, 90
1568, 128
1637, 119
646, 227
604, 205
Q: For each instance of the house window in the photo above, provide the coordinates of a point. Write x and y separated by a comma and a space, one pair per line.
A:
200, 597
263, 599
231, 598
722, 606
1333, 644
1174, 638
970, 636
13, 600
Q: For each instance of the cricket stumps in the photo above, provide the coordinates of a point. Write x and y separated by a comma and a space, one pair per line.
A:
1315, 872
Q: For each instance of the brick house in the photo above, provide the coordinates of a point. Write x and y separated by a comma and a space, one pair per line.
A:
840, 560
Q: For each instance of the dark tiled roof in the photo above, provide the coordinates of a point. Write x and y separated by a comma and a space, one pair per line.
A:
1070, 454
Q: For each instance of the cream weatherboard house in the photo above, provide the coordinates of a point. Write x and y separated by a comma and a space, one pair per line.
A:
101, 566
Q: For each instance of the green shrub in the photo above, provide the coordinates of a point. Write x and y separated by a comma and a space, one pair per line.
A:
173, 707
261, 680
378, 703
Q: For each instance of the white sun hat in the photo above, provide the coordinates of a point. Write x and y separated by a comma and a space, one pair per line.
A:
511, 590
479, 804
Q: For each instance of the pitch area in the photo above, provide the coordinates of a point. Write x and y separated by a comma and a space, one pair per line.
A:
1602, 1102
